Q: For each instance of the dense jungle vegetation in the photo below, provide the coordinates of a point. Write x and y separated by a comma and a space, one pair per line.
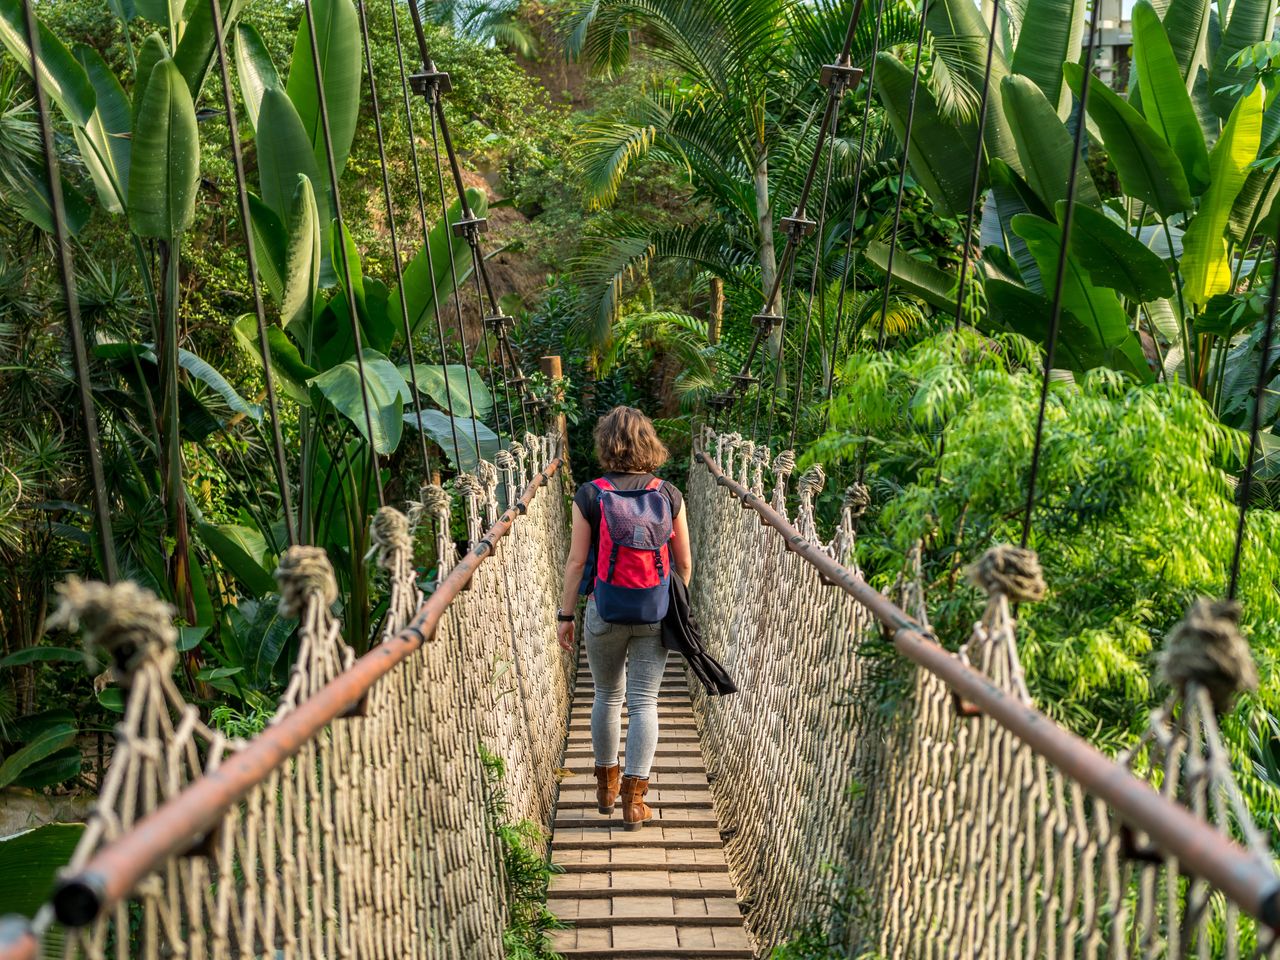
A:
635, 161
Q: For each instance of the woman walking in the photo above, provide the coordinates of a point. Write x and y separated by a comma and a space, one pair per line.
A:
630, 533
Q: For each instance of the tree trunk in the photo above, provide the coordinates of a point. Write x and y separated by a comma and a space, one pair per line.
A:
768, 255
715, 312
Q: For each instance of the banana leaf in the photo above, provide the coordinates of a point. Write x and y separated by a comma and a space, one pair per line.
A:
1050, 38
165, 168
1044, 144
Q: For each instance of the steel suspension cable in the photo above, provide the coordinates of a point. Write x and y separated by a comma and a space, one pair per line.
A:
437, 307
846, 272
395, 240
1245, 489
796, 225
813, 283
67, 272
975, 185
309, 15
251, 258
1055, 313
902, 175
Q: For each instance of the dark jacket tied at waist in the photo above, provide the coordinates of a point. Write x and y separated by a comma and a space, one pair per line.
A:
680, 633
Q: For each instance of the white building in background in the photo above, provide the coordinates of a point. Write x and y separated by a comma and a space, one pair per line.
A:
1115, 42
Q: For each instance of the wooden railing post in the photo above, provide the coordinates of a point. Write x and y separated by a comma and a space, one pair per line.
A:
552, 368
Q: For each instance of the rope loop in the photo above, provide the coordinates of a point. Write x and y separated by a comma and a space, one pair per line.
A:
857, 500
1206, 647
784, 464
469, 485
389, 531
812, 480
487, 474
504, 461
304, 573
126, 623
1009, 570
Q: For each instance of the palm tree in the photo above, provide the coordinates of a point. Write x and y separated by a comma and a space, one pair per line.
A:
735, 113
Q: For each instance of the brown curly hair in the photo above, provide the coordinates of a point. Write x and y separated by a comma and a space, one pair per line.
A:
627, 443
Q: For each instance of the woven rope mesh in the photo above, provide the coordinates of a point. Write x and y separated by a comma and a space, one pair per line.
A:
841, 772
372, 842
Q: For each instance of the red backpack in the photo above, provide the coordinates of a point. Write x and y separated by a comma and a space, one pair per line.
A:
633, 555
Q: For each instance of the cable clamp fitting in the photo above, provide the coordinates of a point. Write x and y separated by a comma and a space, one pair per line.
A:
839, 77
499, 324
471, 227
431, 83
798, 226
767, 321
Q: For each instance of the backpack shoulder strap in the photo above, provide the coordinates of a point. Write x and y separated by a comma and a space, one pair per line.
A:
654, 484
602, 483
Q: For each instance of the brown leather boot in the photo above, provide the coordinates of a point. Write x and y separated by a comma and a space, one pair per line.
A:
607, 787
634, 810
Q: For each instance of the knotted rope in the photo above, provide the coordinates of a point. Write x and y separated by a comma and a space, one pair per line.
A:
857, 500
808, 487
784, 464
302, 573
389, 531
127, 623
1207, 648
1011, 571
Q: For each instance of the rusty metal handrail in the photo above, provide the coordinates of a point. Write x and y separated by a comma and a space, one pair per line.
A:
1244, 878
175, 826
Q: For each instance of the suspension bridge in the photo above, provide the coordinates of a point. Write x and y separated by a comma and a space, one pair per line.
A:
969, 823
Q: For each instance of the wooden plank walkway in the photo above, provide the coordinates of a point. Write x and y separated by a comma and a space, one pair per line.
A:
659, 892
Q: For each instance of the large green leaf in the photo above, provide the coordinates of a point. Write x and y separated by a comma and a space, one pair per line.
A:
1186, 23
940, 154
1252, 21
42, 655
62, 77
932, 285
243, 551
961, 24
291, 373
166, 13
1050, 38
48, 742
1011, 306
1013, 196
1148, 168
284, 153
166, 157
338, 49
258, 636
384, 396
301, 262
105, 141
1166, 102
1103, 321
449, 385
152, 51
1254, 204
440, 428
1114, 257
417, 283
254, 68
1206, 269
194, 55
202, 371
1044, 144
270, 241
29, 196
29, 865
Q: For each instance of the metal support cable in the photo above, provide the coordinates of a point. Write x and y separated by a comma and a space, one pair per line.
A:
975, 185
484, 335
1055, 314
813, 281
395, 240
846, 272
1245, 490
251, 257
309, 14
902, 175
426, 230
67, 272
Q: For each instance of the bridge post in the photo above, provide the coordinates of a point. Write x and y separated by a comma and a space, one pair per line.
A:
552, 368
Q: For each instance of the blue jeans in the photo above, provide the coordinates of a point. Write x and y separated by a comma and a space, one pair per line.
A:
626, 660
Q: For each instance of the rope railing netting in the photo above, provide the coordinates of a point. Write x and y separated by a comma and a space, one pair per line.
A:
939, 829
372, 840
